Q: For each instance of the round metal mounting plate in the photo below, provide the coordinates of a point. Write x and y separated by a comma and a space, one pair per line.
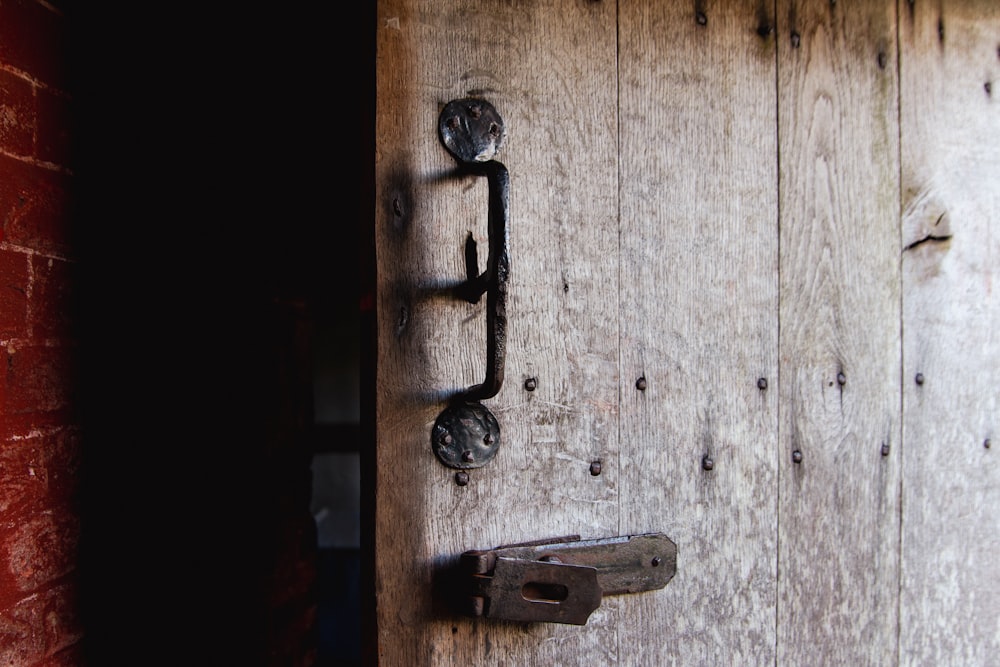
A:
471, 130
465, 436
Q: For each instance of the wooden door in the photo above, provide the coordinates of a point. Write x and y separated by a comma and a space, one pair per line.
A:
738, 232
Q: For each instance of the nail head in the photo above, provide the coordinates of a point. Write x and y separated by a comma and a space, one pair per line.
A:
885, 449
762, 383
640, 384
841, 379
919, 379
531, 384
707, 463
595, 468
461, 478
986, 443
797, 456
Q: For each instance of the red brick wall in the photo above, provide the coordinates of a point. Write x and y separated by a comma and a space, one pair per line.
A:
39, 430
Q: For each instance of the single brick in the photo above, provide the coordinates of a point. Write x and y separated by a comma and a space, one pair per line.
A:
42, 548
39, 472
18, 120
13, 294
39, 379
35, 207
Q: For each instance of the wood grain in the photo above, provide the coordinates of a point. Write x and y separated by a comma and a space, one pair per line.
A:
840, 334
699, 324
950, 120
549, 68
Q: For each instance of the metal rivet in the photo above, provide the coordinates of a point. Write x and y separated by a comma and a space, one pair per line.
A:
919, 379
796, 40
446, 439
885, 449
841, 379
595, 468
707, 463
762, 383
797, 456
986, 443
531, 384
475, 111
701, 18
461, 478
640, 384
467, 456
488, 438
656, 561
453, 123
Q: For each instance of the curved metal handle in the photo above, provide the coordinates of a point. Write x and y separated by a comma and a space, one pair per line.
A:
472, 131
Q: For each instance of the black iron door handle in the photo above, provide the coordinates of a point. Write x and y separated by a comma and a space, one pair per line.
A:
466, 434
472, 131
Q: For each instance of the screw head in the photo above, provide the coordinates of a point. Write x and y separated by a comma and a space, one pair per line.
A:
797, 456
595, 468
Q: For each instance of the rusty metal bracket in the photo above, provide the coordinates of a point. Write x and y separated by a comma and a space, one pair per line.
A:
564, 580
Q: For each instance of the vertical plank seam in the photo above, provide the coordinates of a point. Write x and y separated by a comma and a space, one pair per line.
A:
618, 291
777, 445
902, 346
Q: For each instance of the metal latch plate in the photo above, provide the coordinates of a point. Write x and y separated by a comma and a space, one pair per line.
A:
564, 580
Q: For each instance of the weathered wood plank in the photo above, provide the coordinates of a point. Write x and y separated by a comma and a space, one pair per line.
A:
549, 68
838, 555
699, 324
950, 119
